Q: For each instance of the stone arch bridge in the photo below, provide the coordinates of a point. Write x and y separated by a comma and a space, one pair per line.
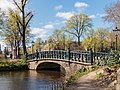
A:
66, 62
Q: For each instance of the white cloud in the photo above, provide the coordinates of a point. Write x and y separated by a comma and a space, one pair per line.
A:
42, 31
49, 26
6, 4
101, 15
97, 15
80, 4
39, 32
58, 7
92, 16
35, 30
64, 15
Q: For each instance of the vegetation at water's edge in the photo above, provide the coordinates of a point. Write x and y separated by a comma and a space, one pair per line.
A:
13, 65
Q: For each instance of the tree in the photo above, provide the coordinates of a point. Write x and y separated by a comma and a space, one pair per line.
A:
102, 35
12, 25
2, 15
90, 33
90, 40
77, 25
59, 40
38, 43
97, 40
10, 33
57, 36
113, 13
23, 23
51, 42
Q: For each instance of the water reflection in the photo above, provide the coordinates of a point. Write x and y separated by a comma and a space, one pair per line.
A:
31, 80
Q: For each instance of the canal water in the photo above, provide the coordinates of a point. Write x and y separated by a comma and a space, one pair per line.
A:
31, 80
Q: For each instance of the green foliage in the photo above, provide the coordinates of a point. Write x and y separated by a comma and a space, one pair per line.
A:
99, 75
59, 40
84, 70
38, 43
96, 39
71, 80
12, 65
23, 58
114, 58
77, 25
111, 61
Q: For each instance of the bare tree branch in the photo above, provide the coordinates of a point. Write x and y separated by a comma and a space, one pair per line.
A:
19, 28
19, 20
17, 5
71, 33
28, 20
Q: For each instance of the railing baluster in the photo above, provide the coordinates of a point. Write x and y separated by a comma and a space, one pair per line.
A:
68, 55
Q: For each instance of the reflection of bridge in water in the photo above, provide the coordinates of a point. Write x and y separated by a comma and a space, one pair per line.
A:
65, 61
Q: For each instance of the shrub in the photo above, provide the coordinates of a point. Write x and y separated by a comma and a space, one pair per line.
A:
82, 69
99, 75
70, 80
13, 65
114, 58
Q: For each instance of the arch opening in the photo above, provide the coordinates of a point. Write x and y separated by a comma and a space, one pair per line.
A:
50, 66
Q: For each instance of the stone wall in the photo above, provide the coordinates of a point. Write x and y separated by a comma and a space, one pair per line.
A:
65, 67
118, 80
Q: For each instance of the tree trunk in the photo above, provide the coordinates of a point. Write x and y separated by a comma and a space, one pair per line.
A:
18, 49
15, 49
24, 29
24, 46
11, 45
78, 40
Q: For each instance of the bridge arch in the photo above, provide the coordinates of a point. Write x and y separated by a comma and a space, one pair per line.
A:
64, 66
51, 66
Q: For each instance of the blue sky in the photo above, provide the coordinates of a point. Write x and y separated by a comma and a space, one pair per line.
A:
51, 14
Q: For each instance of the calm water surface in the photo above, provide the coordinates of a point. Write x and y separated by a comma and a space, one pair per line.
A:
31, 80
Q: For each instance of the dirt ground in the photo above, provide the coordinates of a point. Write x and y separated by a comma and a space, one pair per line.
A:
87, 82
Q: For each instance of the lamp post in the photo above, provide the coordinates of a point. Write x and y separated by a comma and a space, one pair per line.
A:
32, 45
116, 30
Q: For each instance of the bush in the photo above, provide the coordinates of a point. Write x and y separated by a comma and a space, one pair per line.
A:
70, 80
13, 65
114, 58
99, 75
82, 69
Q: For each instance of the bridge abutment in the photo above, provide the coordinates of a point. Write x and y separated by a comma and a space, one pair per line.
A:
66, 68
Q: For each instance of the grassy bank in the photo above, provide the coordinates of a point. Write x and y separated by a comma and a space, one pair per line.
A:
13, 65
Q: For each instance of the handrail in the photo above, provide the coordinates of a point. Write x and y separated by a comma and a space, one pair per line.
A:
68, 55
